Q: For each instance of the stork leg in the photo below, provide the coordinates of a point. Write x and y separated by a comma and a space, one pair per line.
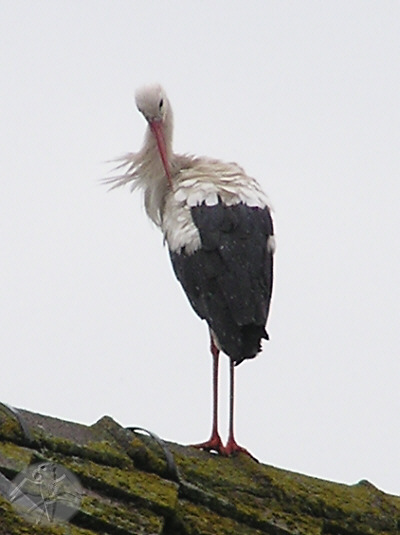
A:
214, 443
231, 446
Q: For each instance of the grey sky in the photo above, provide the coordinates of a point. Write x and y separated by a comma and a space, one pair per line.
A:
305, 96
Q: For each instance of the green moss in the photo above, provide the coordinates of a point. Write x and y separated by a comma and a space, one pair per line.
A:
13, 457
128, 491
194, 519
10, 428
215, 472
147, 456
260, 495
146, 489
105, 452
361, 505
123, 515
12, 524
142, 450
100, 452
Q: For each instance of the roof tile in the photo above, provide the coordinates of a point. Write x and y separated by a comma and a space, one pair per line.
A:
138, 484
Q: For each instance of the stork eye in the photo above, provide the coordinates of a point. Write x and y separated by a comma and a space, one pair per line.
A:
160, 104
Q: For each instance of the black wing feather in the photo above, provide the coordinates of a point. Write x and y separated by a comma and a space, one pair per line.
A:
228, 280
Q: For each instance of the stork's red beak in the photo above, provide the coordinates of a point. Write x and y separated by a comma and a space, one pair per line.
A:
157, 128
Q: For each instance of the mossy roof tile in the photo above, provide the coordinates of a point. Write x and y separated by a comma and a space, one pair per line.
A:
130, 487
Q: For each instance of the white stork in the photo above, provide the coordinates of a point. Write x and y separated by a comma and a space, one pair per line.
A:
218, 227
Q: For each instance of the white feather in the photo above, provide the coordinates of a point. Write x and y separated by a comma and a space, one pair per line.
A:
211, 199
195, 180
271, 244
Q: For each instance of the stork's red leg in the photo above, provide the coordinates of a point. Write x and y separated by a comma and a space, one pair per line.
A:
214, 443
231, 446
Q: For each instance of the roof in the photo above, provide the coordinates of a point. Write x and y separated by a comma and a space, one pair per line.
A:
134, 483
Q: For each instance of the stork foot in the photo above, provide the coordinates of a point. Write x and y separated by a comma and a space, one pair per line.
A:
213, 444
232, 448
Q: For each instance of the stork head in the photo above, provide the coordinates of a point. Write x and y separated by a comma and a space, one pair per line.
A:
153, 103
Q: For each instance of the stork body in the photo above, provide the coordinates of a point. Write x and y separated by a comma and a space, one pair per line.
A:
217, 224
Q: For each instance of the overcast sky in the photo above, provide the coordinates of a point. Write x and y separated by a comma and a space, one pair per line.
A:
305, 96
